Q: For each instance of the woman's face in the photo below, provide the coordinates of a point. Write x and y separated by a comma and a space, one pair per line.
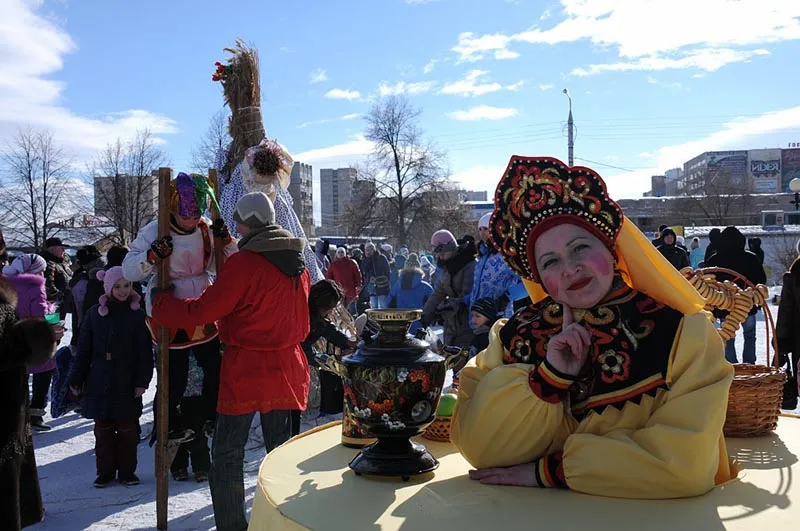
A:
121, 290
575, 267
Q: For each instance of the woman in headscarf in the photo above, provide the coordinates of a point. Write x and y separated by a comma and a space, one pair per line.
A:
613, 382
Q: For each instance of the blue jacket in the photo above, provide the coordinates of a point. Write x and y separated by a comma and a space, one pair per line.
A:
493, 277
115, 356
410, 291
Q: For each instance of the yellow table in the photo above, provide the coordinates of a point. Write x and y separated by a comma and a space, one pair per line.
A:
306, 484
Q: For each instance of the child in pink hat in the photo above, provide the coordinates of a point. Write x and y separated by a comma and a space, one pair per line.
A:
112, 370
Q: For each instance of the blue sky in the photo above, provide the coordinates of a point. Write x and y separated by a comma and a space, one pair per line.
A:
653, 82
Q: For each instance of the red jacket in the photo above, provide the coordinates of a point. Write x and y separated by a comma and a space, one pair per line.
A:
346, 273
263, 318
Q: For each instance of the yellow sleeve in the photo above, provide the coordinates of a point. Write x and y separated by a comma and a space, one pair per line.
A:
677, 453
499, 420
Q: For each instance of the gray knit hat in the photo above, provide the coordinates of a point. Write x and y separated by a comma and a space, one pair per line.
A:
255, 210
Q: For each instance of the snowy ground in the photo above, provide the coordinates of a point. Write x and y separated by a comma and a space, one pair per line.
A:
65, 457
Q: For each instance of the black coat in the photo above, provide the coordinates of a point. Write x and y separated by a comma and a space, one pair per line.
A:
58, 274
676, 256
20, 342
115, 356
731, 254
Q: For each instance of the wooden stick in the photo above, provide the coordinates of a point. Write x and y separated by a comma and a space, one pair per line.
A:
219, 244
162, 429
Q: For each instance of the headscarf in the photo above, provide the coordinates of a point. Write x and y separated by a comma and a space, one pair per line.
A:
191, 194
537, 193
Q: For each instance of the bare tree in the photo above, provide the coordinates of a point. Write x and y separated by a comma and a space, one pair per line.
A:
125, 186
404, 168
784, 252
214, 140
37, 188
724, 199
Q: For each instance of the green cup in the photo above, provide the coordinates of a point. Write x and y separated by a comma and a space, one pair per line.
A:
52, 318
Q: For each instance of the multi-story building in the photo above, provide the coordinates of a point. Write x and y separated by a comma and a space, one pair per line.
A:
301, 190
469, 195
336, 188
671, 179
717, 171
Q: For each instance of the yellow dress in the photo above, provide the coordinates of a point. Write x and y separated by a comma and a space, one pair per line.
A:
644, 422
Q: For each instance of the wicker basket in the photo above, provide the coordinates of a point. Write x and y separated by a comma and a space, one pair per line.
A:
439, 430
757, 390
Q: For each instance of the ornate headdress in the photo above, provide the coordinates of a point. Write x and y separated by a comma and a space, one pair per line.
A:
537, 193
267, 166
191, 194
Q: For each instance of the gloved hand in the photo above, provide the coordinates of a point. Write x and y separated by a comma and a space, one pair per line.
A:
160, 249
220, 230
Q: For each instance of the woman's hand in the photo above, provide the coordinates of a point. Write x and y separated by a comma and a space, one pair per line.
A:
517, 476
58, 332
567, 351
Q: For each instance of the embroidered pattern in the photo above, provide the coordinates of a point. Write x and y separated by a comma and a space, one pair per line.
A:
632, 337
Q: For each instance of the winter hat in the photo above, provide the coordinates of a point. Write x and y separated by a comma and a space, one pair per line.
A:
109, 278
387, 248
443, 241
484, 221
255, 210
88, 254
116, 255
341, 252
680, 240
485, 307
669, 232
28, 263
424, 262
404, 251
53, 242
412, 262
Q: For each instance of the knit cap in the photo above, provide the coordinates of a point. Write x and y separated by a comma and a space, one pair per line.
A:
484, 221
31, 264
109, 278
255, 210
443, 241
485, 307
412, 262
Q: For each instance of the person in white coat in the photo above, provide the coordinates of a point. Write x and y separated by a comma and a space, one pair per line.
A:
190, 249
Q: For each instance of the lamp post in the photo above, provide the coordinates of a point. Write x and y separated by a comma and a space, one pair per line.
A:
570, 132
794, 186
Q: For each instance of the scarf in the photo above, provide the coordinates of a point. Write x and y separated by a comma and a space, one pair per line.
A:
278, 246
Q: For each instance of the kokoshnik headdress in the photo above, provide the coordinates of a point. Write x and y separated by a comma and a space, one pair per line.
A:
191, 194
536, 193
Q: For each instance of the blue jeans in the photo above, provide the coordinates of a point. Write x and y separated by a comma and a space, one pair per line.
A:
378, 302
226, 477
749, 354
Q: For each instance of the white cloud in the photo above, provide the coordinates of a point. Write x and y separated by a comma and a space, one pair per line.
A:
546, 14
401, 87
742, 133
505, 54
318, 76
430, 66
480, 178
483, 112
652, 80
351, 116
33, 51
342, 94
547, 86
708, 59
286, 49
516, 86
470, 85
419, 2
654, 30
701, 75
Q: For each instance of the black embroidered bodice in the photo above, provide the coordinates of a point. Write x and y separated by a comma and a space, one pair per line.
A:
632, 338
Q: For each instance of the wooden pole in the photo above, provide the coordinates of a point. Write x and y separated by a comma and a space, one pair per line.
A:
219, 245
162, 428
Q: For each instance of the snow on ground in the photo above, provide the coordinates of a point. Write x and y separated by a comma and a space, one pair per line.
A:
65, 457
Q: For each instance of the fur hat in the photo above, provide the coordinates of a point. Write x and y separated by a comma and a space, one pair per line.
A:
25, 264
255, 210
109, 278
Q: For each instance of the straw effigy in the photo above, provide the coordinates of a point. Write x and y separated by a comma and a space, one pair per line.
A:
242, 92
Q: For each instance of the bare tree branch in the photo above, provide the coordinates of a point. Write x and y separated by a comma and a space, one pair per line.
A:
215, 139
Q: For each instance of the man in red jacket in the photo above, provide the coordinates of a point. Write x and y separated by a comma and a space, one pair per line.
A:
346, 273
260, 299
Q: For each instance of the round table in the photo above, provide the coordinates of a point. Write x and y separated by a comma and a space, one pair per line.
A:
306, 484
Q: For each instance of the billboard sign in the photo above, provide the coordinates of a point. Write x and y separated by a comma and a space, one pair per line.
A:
790, 167
731, 164
765, 170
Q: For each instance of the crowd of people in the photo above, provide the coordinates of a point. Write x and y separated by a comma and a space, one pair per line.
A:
244, 335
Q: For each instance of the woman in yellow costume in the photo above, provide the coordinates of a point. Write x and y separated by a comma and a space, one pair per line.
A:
613, 382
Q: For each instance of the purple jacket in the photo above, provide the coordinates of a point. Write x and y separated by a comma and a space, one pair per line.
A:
32, 302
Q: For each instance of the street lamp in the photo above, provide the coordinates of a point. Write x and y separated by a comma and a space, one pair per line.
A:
570, 131
794, 186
